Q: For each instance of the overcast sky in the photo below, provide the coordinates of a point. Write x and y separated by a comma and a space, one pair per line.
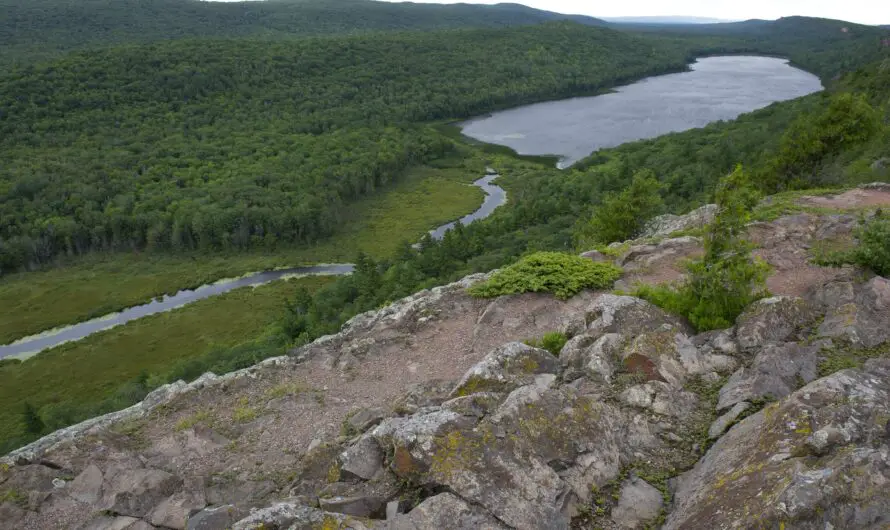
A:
861, 11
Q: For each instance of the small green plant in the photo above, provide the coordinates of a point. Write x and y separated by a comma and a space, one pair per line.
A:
726, 279
873, 250
563, 275
202, 416
622, 216
15, 497
244, 413
552, 342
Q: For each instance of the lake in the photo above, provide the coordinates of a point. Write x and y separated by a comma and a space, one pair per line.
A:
717, 88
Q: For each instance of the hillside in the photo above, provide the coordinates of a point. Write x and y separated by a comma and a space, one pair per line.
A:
433, 413
825, 47
225, 144
42, 28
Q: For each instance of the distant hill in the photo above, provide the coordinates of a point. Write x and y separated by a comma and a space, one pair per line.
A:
664, 20
43, 28
823, 46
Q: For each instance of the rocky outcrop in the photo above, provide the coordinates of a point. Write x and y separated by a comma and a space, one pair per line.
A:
818, 459
638, 422
665, 225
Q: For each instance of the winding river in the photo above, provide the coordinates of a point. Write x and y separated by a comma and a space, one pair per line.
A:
28, 346
716, 88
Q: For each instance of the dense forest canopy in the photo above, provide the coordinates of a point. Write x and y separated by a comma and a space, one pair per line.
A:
39, 28
825, 47
218, 144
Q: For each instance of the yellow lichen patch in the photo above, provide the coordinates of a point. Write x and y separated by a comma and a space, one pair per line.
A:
333, 473
476, 384
456, 451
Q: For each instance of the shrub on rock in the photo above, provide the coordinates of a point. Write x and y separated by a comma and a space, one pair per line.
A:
563, 275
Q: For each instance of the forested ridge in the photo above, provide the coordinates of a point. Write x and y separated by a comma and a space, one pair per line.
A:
825, 47
219, 144
41, 28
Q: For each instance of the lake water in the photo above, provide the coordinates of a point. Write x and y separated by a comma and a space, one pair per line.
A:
717, 88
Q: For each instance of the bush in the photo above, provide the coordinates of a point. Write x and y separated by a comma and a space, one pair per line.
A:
564, 275
622, 216
552, 342
873, 251
726, 280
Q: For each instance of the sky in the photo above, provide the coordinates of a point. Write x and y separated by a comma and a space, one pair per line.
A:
861, 11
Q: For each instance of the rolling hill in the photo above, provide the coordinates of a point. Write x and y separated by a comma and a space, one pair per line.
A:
41, 28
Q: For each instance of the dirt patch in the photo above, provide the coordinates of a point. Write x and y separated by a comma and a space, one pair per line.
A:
858, 198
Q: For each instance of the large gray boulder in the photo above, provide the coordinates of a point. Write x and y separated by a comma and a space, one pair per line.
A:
135, 492
667, 224
629, 316
362, 460
445, 510
859, 316
505, 368
776, 371
819, 458
773, 320
639, 504
297, 516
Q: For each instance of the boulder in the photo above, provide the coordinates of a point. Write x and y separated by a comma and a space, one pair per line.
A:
135, 492
410, 439
110, 522
296, 516
860, 319
358, 506
665, 225
818, 458
362, 460
719, 426
214, 518
596, 359
505, 368
365, 418
773, 320
445, 510
639, 504
776, 371
629, 316
174, 512
87, 486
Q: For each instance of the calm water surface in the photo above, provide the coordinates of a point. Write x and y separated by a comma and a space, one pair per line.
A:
717, 88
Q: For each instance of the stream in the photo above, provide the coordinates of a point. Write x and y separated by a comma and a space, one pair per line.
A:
28, 346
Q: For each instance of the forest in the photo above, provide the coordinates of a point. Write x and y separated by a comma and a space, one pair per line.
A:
220, 144
40, 29
225, 144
